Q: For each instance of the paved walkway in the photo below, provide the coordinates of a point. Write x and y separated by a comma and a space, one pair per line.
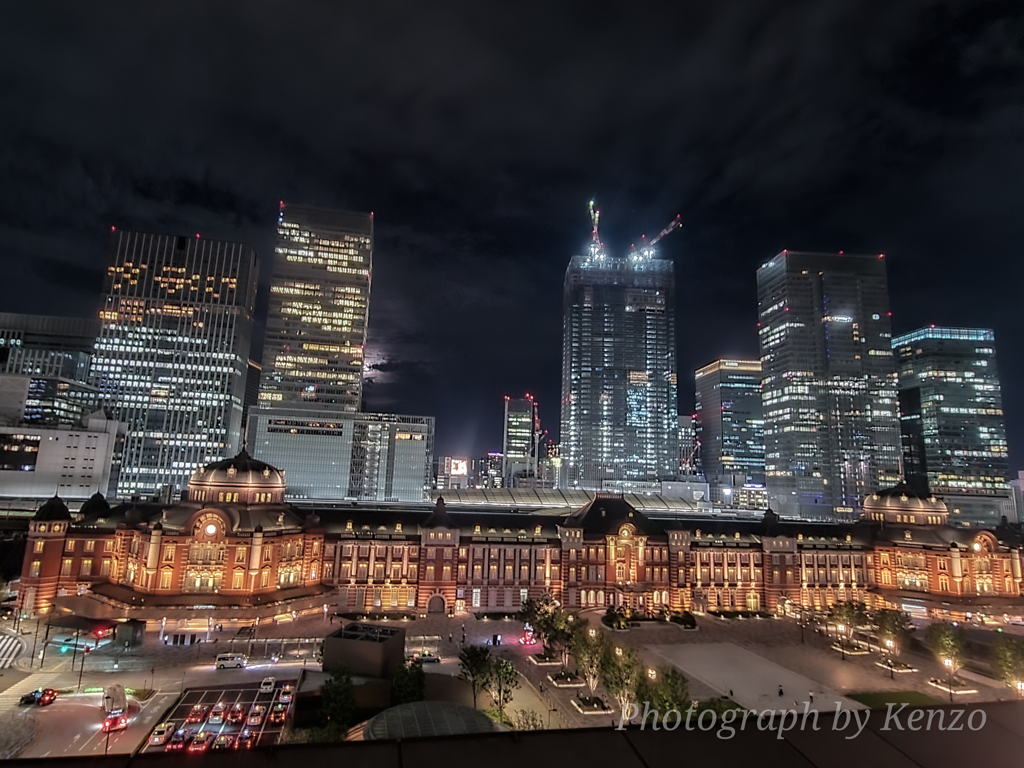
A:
748, 679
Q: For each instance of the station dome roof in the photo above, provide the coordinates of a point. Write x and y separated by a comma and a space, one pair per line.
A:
909, 504
246, 479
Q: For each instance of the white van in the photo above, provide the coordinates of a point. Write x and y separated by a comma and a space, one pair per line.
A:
236, 660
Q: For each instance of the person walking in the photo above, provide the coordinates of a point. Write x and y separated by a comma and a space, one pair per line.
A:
811, 694
449, 637
780, 692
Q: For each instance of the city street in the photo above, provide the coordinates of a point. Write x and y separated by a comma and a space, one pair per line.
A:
71, 726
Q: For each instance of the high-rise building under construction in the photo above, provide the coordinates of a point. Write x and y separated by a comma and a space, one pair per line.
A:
619, 420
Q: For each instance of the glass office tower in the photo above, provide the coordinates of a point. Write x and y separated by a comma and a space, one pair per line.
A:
307, 418
520, 430
45, 362
619, 419
172, 354
951, 418
318, 311
831, 428
351, 456
728, 419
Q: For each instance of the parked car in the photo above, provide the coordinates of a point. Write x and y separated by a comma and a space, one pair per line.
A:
267, 686
198, 713
236, 714
40, 697
162, 734
256, 715
245, 739
287, 693
217, 714
201, 742
116, 722
279, 713
223, 742
179, 740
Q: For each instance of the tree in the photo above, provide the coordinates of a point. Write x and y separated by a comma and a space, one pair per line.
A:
621, 672
616, 617
527, 720
892, 627
551, 623
410, 684
849, 615
1008, 661
949, 646
503, 681
338, 700
668, 690
475, 663
589, 649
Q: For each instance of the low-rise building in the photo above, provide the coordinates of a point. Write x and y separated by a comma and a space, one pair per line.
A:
236, 549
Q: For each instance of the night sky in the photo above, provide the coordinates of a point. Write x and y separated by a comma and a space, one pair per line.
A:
477, 132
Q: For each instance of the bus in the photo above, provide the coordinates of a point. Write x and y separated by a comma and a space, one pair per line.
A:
114, 699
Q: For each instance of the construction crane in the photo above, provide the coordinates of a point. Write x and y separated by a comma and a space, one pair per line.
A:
647, 249
676, 223
596, 246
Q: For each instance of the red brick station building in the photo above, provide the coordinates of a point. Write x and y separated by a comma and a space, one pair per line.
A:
235, 550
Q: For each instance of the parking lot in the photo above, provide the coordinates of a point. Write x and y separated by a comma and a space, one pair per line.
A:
246, 694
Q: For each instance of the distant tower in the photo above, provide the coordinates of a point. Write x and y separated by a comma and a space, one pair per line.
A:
171, 358
951, 416
829, 388
520, 432
619, 425
728, 419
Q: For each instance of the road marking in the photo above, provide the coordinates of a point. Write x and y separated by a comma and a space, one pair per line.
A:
10, 648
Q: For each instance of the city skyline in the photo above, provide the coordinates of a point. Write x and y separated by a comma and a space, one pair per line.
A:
492, 194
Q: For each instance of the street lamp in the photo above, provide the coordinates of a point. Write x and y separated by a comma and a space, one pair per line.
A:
593, 632
949, 681
842, 647
107, 701
890, 645
1020, 689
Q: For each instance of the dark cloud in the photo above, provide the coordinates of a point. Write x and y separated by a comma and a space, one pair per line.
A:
477, 134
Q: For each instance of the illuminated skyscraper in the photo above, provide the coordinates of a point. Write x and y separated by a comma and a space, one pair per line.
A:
317, 316
172, 354
45, 365
619, 425
831, 428
951, 415
728, 419
520, 430
308, 413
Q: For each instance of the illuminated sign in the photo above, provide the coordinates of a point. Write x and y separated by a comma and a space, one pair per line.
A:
459, 467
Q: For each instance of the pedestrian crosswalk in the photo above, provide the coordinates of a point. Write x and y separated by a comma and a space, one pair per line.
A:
10, 698
10, 648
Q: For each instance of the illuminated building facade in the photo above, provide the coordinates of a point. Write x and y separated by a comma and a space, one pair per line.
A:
170, 361
951, 417
318, 311
728, 419
353, 456
454, 473
619, 419
235, 550
75, 461
45, 369
831, 427
521, 428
